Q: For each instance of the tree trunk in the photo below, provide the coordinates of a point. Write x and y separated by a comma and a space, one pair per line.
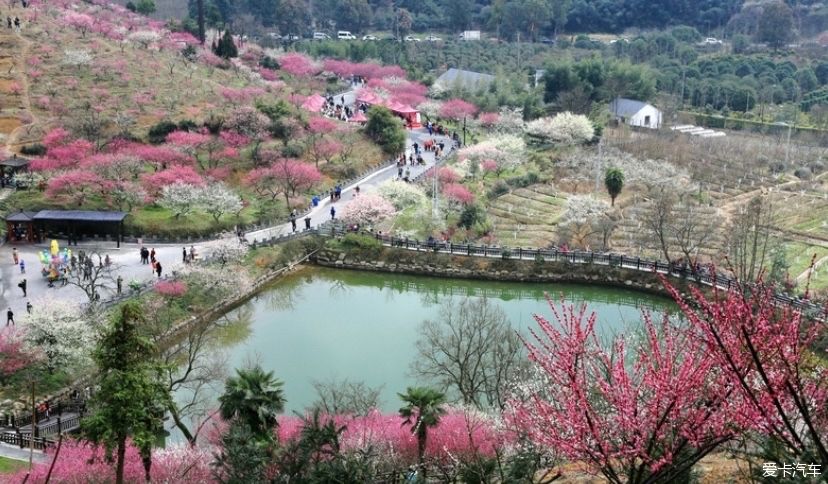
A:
146, 459
201, 30
421, 447
119, 468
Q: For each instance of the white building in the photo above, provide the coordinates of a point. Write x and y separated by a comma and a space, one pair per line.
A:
635, 113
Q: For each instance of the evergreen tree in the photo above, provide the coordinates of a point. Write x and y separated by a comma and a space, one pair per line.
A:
386, 130
130, 399
226, 48
614, 181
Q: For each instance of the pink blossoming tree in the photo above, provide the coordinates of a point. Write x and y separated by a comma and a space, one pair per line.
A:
367, 209
633, 412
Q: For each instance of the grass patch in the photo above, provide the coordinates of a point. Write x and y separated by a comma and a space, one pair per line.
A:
10, 466
799, 256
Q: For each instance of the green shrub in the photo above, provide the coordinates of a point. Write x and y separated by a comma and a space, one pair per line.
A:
506, 253
361, 244
36, 149
293, 150
524, 181
499, 188
158, 133
269, 62
471, 215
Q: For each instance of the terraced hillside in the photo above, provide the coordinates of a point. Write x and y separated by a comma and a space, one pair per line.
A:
526, 217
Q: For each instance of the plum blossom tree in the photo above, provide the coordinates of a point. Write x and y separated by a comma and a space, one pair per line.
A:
367, 209
457, 195
79, 21
582, 220
430, 108
488, 120
144, 38
263, 182
765, 351
180, 198
507, 151
294, 176
14, 355
457, 109
217, 199
402, 195
298, 65
77, 58
155, 182
634, 413
250, 123
564, 128
59, 329
170, 289
77, 186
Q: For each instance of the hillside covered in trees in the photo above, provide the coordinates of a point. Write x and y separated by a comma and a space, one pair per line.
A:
531, 19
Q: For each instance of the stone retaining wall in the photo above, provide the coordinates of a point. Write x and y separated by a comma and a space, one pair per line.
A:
497, 269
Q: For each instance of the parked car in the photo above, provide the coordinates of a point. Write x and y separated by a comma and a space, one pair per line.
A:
274, 36
321, 36
547, 40
369, 37
711, 41
433, 38
345, 35
411, 38
291, 37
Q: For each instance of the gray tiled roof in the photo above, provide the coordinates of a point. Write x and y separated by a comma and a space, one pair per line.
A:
626, 107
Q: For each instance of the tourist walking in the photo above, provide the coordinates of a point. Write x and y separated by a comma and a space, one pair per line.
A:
144, 255
184, 255
22, 266
29, 307
9, 316
293, 222
15, 256
119, 285
152, 255
307, 223
158, 268
192, 253
22, 285
333, 213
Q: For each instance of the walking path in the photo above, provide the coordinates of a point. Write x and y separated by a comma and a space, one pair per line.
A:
321, 213
127, 259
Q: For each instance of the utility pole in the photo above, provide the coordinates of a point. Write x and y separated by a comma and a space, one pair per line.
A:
34, 426
464, 131
435, 209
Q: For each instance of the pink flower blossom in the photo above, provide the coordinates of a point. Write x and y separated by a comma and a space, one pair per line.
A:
456, 109
171, 289
458, 194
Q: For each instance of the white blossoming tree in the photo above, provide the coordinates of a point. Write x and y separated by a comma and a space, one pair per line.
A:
180, 198
585, 219
368, 208
430, 108
226, 251
509, 121
58, 328
565, 128
506, 151
144, 38
217, 199
402, 195
77, 57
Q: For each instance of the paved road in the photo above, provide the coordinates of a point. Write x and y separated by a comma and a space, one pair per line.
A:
127, 259
321, 213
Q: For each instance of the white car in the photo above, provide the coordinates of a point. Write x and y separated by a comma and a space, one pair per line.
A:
411, 38
369, 37
712, 41
321, 36
433, 38
345, 35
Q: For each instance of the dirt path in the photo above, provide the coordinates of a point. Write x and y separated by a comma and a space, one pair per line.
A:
18, 74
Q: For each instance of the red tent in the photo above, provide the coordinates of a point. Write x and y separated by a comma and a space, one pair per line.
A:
368, 97
409, 114
314, 103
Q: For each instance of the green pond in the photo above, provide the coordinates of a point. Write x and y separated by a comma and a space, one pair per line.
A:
323, 324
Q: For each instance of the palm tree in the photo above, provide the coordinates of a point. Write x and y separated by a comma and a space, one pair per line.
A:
424, 407
614, 181
254, 397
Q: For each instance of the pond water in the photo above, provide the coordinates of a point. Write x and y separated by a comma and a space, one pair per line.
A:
323, 324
